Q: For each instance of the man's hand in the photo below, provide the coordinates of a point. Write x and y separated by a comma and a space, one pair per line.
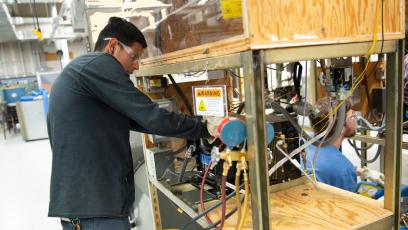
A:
372, 175
212, 124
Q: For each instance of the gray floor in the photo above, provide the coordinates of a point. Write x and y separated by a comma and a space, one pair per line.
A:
25, 169
24, 192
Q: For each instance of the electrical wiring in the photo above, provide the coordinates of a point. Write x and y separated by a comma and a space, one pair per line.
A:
339, 125
360, 78
354, 145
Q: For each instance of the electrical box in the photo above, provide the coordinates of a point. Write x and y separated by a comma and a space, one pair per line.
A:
155, 84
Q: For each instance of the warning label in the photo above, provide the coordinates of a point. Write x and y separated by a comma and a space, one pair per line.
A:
208, 93
202, 106
210, 101
231, 9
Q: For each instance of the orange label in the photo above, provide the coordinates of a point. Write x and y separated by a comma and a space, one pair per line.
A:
208, 93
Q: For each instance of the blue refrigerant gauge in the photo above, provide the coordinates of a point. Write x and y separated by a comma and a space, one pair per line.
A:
270, 132
232, 132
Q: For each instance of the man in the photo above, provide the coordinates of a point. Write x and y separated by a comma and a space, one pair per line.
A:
93, 105
331, 166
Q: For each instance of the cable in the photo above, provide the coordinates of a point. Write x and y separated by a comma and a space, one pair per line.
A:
181, 94
138, 166
377, 154
284, 67
339, 125
224, 201
234, 74
294, 163
380, 18
183, 169
194, 74
241, 107
297, 78
216, 205
296, 151
369, 125
207, 218
354, 144
219, 221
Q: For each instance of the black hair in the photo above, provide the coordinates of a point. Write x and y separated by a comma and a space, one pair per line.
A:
122, 30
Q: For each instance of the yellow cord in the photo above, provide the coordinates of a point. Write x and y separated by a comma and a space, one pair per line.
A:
246, 199
237, 193
360, 78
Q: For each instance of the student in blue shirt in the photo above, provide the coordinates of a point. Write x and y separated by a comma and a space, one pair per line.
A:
331, 166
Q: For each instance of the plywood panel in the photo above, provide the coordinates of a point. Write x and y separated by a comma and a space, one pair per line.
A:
228, 46
301, 22
303, 207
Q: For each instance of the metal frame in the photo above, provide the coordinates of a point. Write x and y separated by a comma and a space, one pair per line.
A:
253, 63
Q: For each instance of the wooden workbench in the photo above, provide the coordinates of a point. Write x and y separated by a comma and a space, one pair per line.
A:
298, 205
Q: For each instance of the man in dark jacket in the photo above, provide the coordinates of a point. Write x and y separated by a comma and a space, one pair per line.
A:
93, 105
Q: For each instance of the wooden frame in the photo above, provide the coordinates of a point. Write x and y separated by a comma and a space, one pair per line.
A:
328, 22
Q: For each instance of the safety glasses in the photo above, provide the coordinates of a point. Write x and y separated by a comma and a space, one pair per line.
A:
128, 50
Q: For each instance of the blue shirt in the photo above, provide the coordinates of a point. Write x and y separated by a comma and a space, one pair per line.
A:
332, 167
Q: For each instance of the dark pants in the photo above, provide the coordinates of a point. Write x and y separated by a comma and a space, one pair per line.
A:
100, 224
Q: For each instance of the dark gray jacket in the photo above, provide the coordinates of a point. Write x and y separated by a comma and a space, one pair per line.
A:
93, 105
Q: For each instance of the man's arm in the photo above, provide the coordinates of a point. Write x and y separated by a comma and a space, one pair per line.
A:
106, 80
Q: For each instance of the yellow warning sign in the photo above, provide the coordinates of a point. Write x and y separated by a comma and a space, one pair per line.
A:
202, 106
208, 93
231, 8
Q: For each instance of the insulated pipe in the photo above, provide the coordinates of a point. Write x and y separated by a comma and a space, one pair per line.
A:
341, 114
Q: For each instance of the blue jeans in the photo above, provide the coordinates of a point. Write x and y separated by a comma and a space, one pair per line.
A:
100, 224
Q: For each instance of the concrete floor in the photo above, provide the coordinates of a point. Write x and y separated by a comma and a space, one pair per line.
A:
25, 169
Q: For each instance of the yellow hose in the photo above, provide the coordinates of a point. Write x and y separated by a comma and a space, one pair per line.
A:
246, 199
237, 193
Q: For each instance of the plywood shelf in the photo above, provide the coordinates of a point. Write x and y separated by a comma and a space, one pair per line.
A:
298, 205
271, 24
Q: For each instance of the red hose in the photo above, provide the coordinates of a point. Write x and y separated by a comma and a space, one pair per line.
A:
224, 200
202, 194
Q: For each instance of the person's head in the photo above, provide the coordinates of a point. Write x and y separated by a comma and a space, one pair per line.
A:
122, 40
321, 121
